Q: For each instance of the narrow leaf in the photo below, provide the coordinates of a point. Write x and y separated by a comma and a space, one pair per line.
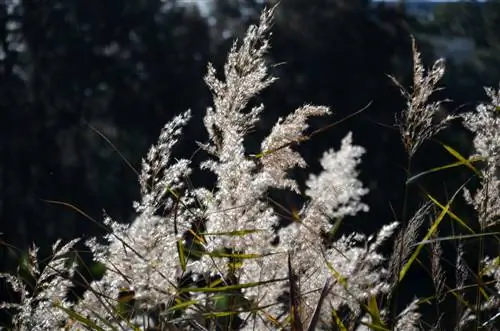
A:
234, 255
182, 305
459, 157
226, 288
374, 312
182, 255
447, 166
429, 234
324, 292
80, 318
338, 321
294, 298
239, 233
451, 214
458, 237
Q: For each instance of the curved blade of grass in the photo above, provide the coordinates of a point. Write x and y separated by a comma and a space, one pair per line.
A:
432, 230
459, 157
228, 287
491, 320
271, 318
324, 292
234, 255
182, 256
337, 275
238, 233
102, 226
336, 226
429, 234
458, 237
180, 245
372, 308
296, 322
450, 213
216, 282
182, 305
338, 321
199, 238
80, 318
219, 314
465, 162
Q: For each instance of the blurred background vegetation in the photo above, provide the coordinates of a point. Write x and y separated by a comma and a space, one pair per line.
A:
75, 71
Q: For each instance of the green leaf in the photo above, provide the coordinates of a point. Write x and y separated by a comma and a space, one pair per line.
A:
235, 233
374, 312
451, 214
459, 157
234, 255
447, 166
338, 321
458, 237
181, 305
431, 231
227, 287
80, 318
181, 254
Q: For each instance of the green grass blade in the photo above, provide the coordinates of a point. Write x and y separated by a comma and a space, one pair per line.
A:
451, 214
80, 318
432, 230
338, 322
238, 233
458, 237
228, 287
181, 254
459, 157
429, 234
219, 314
317, 311
234, 255
374, 312
182, 305
465, 162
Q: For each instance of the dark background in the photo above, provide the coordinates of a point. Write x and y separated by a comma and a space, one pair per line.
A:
69, 68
